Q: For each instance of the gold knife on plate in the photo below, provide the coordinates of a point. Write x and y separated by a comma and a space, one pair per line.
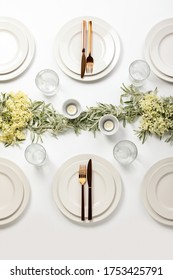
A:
89, 179
83, 59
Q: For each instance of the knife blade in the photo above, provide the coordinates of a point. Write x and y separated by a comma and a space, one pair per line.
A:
89, 179
83, 59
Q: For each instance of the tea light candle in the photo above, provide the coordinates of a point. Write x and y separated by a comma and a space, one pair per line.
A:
108, 125
71, 109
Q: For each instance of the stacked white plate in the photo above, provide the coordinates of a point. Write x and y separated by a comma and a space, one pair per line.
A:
68, 48
158, 49
157, 191
17, 48
14, 191
106, 188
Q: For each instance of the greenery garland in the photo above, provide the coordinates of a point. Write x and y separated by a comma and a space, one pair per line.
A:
18, 114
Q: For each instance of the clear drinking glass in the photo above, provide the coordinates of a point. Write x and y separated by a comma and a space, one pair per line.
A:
125, 152
139, 71
35, 154
47, 81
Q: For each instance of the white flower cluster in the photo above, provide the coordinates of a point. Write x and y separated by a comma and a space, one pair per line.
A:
15, 113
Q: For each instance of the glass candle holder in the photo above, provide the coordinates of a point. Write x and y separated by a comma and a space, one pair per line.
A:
71, 108
108, 124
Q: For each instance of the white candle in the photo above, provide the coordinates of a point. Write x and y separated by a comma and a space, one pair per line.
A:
71, 109
108, 125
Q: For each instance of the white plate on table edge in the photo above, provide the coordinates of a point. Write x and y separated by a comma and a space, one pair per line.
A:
160, 191
107, 70
22, 46
69, 188
30, 54
161, 50
26, 187
118, 190
148, 43
70, 47
11, 191
146, 182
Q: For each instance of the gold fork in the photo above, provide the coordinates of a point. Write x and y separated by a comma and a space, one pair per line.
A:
90, 60
82, 180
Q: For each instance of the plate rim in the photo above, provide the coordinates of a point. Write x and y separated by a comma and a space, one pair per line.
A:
8, 26
151, 191
65, 167
159, 36
18, 198
147, 43
144, 184
114, 203
75, 25
26, 197
104, 73
30, 55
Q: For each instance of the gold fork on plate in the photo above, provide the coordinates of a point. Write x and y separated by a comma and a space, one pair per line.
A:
82, 181
90, 60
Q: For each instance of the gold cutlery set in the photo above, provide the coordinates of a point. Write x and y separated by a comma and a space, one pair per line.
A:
87, 62
85, 174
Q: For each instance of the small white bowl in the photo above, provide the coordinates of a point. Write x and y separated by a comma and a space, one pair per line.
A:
108, 124
71, 108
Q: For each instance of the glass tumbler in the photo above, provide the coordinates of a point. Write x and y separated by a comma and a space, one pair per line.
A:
47, 81
35, 154
139, 71
125, 152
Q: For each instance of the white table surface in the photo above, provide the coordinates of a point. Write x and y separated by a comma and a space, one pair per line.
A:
43, 232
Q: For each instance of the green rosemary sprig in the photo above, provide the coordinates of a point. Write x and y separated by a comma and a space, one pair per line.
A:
46, 119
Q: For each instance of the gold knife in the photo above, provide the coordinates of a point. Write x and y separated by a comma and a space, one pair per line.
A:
89, 178
83, 60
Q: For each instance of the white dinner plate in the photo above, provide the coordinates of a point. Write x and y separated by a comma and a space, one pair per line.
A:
148, 48
68, 48
14, 169
156, 189
107, 188
30, 52
161, 50
103, 189
14, 51
11, 191
160, 191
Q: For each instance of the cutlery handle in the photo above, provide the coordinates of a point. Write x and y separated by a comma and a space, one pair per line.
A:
82, 204
89, 203
89, 37
84, 35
